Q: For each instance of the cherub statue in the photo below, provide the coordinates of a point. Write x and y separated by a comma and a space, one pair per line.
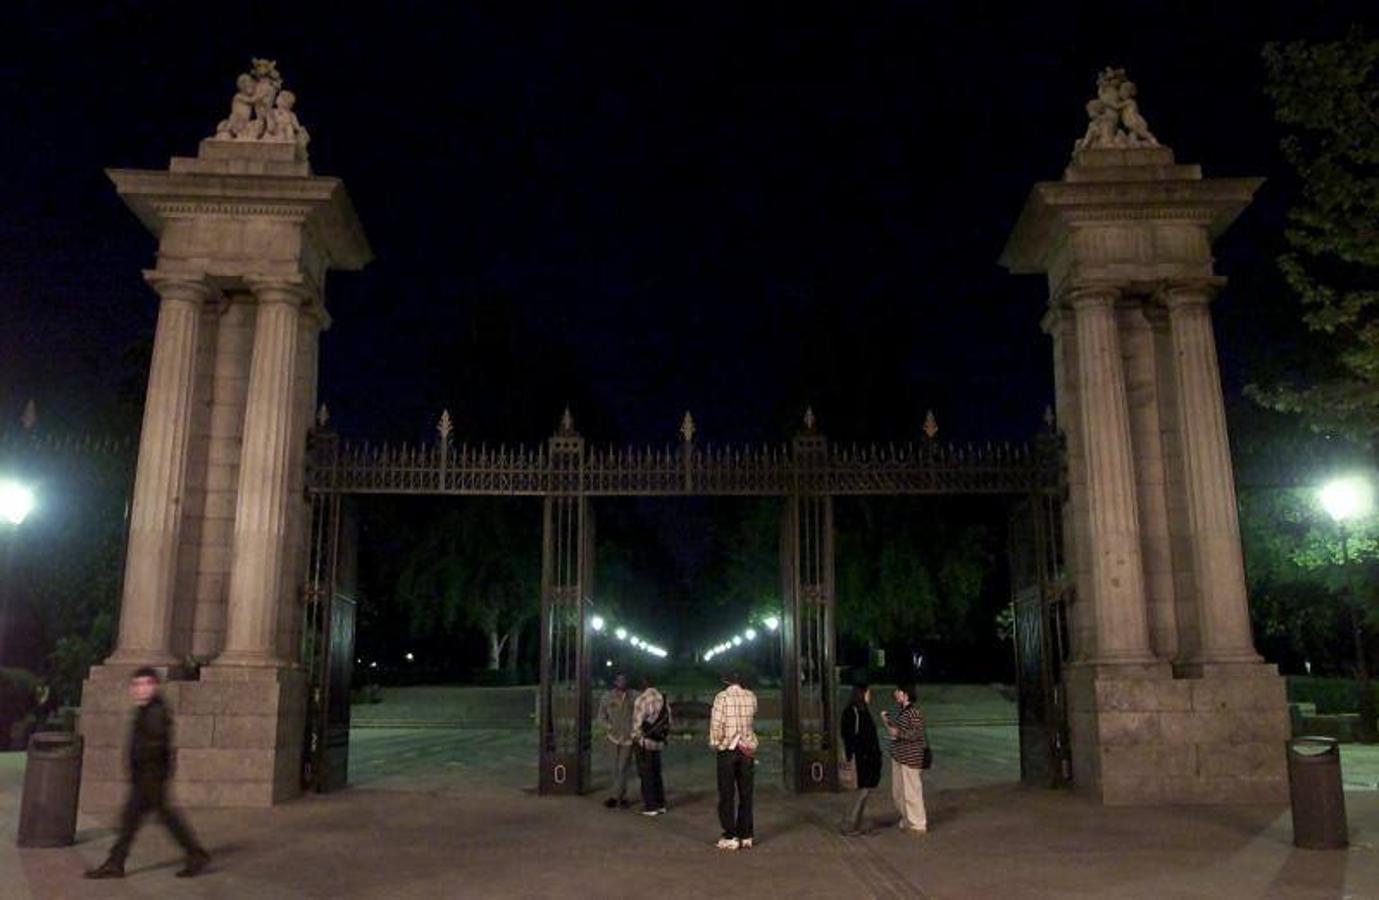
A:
1101, 130
241, 110
283, 124
267, 83
1130, 117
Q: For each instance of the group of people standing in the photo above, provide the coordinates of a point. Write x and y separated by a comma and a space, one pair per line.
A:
910, 756
639, 727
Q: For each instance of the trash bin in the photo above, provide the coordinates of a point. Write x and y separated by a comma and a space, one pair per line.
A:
52, 778
1314, 788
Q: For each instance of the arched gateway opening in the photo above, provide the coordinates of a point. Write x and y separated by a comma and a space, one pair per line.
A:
1130, 528
568, 477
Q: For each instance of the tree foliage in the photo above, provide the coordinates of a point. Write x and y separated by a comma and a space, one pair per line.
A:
475, 565
903, 577
1301, 586
1327, 95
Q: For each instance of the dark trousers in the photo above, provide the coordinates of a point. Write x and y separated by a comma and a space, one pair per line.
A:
146, 796
649, 770
735, 782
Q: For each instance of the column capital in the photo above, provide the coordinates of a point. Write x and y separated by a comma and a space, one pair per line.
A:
294, 290
290, 290
1190, 292
191, 287
1081, 296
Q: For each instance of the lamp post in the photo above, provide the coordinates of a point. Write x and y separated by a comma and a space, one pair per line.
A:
1346, 500
16, 502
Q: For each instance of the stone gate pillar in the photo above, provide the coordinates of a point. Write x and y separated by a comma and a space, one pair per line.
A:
1167, 700
246, 234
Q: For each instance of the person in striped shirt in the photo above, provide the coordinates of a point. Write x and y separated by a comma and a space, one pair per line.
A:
908, 741
732, 733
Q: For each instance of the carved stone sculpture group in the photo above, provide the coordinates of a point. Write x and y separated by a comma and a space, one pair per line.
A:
261, 110
1115, 115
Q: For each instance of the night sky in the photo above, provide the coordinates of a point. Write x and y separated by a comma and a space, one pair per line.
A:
637, 209
712, 209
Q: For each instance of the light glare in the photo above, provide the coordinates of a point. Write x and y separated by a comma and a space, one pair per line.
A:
1347, 498
16, 502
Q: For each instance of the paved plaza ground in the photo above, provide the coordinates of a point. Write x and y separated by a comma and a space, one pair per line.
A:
441, 805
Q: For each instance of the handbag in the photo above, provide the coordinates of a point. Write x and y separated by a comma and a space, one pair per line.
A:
658, 729
847, 775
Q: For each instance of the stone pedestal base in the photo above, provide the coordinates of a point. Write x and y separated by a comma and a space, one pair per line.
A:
237, 733
1158, 740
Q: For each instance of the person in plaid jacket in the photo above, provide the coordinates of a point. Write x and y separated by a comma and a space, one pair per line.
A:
732, 734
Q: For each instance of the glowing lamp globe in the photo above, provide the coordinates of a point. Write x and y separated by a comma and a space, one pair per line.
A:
16, 502
1348, 498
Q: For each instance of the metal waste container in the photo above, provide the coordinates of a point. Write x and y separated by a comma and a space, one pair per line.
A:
1314, 788
52, 778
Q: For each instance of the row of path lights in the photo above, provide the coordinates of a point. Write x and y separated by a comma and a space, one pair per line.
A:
599, 625
746, 637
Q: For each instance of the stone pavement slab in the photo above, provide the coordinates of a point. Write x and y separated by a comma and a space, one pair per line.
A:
420, 827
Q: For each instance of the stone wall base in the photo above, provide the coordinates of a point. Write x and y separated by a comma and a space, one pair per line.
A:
237, 732
1159, 740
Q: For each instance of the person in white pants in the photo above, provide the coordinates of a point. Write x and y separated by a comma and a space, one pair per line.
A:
908, 744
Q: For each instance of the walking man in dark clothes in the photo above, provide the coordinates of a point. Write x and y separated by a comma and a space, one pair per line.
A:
150, 767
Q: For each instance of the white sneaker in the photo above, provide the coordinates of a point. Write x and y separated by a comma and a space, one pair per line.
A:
653, 812
745, 843
728, 843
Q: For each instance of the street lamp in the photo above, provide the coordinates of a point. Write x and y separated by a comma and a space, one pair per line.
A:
16, 502
1346, 500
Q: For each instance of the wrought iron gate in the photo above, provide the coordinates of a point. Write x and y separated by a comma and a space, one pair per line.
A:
328, 642
809, 683
566, 474
1038, 602
567, 577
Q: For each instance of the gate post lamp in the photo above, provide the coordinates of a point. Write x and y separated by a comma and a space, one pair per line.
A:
1346, 500
16, 502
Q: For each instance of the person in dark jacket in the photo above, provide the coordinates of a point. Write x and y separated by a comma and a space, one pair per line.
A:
862, 750
150, 767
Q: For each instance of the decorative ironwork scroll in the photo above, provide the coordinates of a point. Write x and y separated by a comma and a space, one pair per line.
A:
760, 470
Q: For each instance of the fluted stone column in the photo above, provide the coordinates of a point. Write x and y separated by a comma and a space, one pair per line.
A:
1117, 570
160, 480
1223, 610
265, 477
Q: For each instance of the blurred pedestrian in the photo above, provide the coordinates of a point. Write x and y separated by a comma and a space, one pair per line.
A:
150, 768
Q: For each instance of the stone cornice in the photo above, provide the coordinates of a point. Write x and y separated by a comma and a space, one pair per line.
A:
322, 204
1055, 206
